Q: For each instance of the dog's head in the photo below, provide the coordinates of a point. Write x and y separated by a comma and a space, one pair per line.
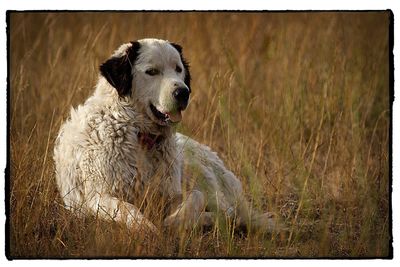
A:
154, 74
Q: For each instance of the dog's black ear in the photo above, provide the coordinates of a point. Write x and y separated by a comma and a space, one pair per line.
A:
118, 70
185, 64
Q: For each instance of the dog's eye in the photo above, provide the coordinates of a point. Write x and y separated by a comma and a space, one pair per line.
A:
152, 72
178, 69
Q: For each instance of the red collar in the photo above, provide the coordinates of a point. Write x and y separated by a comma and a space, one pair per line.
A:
148, 140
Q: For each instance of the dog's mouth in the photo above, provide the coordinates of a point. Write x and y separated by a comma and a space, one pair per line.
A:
166, 117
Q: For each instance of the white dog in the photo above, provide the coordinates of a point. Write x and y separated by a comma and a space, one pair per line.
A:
122, 140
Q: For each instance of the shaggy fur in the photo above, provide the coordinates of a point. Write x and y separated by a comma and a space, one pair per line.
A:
122, 139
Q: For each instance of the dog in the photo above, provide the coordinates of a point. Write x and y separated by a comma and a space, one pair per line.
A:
122, 142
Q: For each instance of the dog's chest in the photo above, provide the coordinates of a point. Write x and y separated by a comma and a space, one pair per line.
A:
126, 162
149, 163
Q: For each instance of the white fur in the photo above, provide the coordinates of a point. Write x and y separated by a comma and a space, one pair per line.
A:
100, 162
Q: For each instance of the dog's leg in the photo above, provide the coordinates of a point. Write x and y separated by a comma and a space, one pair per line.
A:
222, 188
111, 208
188, 213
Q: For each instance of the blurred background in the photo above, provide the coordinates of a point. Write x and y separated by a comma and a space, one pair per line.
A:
296, 104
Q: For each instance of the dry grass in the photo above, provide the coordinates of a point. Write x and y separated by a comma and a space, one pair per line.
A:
297, 105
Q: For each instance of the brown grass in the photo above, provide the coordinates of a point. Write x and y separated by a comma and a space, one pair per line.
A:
297, 105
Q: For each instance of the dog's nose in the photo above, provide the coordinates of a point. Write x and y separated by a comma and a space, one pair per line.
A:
181, 96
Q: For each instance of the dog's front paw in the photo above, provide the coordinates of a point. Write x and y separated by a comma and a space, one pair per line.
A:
267, 222
144, 226
152, 229
204, 219
171, 221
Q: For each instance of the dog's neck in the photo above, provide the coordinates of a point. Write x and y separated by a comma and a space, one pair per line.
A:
149, 133
149, 141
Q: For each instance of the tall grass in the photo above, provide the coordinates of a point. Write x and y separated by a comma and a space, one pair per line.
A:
297, 105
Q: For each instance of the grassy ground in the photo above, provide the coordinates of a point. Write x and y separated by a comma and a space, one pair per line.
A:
297, 105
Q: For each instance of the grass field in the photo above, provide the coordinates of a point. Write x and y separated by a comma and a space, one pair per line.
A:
297, 105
